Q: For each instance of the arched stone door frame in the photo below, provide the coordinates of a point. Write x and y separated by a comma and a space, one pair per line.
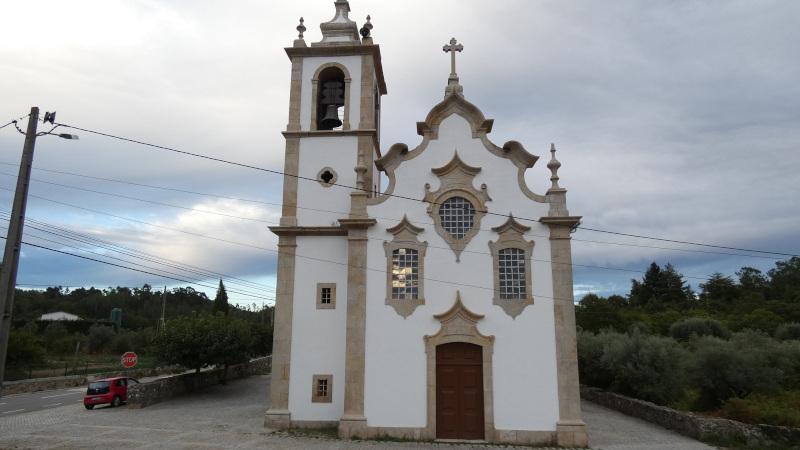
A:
459, 324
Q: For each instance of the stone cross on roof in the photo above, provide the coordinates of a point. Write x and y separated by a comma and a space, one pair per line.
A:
452, 81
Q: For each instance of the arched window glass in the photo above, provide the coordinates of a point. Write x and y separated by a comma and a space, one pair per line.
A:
457, 216
511, 270
405, 273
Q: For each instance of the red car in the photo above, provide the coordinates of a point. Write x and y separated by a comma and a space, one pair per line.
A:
113, 391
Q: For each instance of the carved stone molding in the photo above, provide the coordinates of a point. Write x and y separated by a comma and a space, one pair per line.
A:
459, 324
512, 235
455, 180
405, 237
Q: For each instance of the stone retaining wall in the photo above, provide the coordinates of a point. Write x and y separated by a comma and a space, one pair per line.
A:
51, 383
694, 425
156, 391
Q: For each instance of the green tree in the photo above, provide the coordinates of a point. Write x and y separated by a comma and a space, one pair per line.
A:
198, 341
221, 300
24, 349
100, 338
661, 289
785, 280
719, 293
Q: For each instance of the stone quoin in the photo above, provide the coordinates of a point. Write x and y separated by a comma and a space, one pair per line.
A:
433, 308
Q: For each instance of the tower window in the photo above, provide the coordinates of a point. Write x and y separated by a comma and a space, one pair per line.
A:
330, 99
327, 177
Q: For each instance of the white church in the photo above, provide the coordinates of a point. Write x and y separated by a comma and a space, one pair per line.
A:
434, 308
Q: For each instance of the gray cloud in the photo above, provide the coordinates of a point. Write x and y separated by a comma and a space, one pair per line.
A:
677, 119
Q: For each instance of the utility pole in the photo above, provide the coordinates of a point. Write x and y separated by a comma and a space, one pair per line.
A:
162, 324
8, 272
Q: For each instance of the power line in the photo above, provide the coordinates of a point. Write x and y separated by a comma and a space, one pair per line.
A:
300, 177
382, 240
133, 269
193, 280
14, 121
233, 289
685, 242
345, 213
87, 239
143, 200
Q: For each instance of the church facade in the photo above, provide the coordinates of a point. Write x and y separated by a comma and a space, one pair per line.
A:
439, 307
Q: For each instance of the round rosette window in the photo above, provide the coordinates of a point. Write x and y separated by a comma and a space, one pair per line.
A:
457, 216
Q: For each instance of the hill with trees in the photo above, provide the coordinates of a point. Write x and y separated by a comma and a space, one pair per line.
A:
731, 350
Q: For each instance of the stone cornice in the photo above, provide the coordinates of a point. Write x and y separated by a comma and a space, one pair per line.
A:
344, 50
348, 224
308, 231
564, 221
329, 133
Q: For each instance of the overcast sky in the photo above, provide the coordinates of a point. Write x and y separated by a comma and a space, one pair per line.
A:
672, 119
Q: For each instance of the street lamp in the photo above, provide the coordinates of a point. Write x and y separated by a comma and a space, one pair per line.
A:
8, 271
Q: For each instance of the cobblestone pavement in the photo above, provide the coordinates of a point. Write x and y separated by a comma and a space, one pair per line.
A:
231, 417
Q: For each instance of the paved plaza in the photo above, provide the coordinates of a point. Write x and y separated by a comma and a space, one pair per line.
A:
231, 417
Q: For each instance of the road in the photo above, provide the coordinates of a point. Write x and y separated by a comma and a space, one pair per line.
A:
232, 416
37, 401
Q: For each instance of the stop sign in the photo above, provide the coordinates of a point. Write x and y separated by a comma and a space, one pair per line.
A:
129, 359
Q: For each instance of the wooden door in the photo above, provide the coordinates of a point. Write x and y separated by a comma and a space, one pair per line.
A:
459, 391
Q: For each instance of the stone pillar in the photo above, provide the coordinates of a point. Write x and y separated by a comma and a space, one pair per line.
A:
570, 428
353, 422
278, 415
291, 166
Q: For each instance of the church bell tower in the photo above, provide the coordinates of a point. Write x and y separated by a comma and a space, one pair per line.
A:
334, 116
332, 138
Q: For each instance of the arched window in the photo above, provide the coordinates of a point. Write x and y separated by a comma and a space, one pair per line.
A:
405, 274
330, 99
511, 273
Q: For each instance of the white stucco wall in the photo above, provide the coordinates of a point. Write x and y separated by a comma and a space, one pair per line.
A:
318, 335
317, 204
310, 66
524, 366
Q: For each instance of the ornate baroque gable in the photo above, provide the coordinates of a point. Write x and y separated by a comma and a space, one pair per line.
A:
455, 221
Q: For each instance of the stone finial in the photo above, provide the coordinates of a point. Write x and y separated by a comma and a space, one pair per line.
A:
299, 42
367, 28
340, 30
553, 165
452, 82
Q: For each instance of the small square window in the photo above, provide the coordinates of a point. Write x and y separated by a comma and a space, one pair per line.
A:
322, 389
326, 295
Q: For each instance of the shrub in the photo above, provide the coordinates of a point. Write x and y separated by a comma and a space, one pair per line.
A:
643, 366
123, 342
750, 362
698, 326
760, 320
590, 354
24, 349
788, 331
782, 409
100, 338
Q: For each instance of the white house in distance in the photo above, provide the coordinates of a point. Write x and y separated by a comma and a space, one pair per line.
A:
441, 308
59, 315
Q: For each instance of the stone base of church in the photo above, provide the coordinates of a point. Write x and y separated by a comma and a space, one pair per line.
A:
572, 434
278, 419
353, 427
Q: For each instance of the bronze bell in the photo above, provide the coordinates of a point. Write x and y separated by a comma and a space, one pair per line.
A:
331, 119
